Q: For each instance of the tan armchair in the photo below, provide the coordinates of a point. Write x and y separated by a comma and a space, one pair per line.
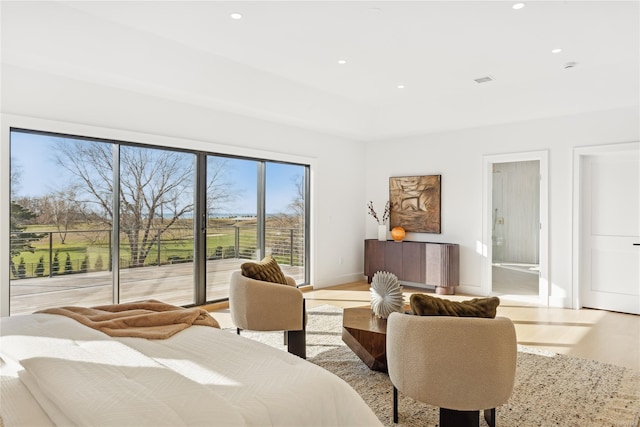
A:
460, 364
263, 306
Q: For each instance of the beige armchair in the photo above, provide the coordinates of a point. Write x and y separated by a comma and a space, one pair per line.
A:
263, 306
460, 364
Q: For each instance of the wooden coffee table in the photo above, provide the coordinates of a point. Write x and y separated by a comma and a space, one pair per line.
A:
366, 336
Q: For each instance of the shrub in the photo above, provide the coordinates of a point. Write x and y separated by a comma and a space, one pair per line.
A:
175, 259
68, 267
40, 267
55, 265
85, 264
22, 270
229, 252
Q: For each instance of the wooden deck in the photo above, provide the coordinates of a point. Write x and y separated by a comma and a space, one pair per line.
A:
169, 283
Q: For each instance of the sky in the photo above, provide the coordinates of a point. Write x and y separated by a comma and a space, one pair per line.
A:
39, 175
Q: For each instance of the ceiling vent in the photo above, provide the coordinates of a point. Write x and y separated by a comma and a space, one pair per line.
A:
484, 79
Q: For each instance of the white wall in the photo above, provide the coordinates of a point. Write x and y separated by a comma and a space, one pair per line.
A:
458, 157
43, 101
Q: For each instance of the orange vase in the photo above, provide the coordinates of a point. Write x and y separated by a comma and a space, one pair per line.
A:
397, 234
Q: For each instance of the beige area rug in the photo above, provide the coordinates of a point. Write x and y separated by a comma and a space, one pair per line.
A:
550, 389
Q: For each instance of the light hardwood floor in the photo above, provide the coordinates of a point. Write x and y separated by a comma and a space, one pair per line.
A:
591, 334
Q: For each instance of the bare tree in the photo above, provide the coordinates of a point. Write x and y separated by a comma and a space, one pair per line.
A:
220, 191
297, 205
151, 180
156, 188
293, 217
62, 209
91, 163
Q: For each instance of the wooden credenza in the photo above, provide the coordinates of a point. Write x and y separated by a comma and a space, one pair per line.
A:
435, 264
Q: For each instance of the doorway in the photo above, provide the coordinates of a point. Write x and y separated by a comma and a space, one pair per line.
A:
607, 232
515, 222
515, 237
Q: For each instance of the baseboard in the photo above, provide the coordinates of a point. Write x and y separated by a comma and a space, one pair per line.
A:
339, 280
560, 302
470, 290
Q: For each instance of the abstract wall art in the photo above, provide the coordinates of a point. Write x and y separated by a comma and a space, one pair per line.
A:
415, 203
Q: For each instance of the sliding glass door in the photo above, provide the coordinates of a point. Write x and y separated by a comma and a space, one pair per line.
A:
254, 208
185, 220
285, 219
232, 220
61, 222
156, 239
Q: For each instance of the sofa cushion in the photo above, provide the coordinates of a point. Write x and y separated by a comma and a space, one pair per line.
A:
266, 270
426, 305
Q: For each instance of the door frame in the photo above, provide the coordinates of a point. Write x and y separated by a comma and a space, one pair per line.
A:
487, 218
579, 155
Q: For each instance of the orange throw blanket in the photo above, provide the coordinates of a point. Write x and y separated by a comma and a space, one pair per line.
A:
144, 319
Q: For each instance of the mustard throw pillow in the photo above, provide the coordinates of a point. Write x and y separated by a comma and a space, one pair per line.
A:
266, 270
426, 305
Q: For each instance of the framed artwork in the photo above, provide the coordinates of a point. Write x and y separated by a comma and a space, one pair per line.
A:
415, 203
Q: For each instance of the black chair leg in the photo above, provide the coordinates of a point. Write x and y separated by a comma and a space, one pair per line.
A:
395, 405
453, 418
238, 331
297, 343
490, 417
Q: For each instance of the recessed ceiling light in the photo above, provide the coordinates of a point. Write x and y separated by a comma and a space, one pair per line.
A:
236, 15
342, 61
400, 86
558, 50
518, 6
484, 79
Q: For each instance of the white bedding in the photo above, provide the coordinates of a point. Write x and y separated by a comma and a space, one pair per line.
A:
56, 371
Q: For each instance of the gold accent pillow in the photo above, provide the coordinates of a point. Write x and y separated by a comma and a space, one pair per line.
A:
266, 270
426, 305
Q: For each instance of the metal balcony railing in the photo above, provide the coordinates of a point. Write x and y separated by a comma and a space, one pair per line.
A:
90, 250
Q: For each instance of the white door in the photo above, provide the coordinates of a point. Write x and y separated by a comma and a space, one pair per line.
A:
610, 228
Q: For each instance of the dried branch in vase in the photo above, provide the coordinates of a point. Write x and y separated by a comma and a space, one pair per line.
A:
385, 215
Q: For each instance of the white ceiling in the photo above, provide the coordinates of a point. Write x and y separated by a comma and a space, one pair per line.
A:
279, 62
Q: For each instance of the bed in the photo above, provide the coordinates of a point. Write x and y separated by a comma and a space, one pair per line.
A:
56, 371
